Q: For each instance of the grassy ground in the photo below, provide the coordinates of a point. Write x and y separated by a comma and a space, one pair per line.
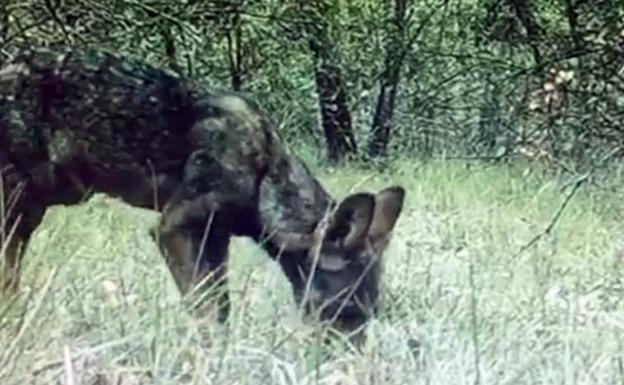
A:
95, 289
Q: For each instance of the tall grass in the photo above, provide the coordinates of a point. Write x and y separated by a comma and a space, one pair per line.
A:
461, 306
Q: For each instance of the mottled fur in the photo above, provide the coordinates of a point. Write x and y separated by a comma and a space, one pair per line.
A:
74, 122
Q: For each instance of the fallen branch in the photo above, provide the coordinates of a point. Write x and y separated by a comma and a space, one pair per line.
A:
555, 219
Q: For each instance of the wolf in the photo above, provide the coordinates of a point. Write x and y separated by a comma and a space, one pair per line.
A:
79, 121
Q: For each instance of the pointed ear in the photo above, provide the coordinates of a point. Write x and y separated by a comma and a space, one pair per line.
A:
349, 223
388, 206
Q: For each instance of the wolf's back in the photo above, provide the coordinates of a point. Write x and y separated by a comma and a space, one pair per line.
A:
100, 103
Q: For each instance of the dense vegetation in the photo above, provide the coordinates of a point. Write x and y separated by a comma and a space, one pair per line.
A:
488, 79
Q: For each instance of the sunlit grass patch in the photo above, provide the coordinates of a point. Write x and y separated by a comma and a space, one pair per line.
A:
460, 302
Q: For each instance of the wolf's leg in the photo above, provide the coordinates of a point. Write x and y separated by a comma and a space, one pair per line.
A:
193, 237
20, 214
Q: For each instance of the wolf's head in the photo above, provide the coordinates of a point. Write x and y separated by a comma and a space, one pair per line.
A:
330, 251
345, 257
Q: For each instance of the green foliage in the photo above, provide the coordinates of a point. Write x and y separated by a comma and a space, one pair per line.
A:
473, 81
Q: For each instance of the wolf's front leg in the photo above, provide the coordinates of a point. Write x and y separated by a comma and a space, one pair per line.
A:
193, 237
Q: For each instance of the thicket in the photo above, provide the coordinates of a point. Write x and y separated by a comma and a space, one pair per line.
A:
483, 79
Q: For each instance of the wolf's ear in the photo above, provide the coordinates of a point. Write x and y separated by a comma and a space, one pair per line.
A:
388, 207
349, 223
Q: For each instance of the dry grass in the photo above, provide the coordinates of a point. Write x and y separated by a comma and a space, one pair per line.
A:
99, 307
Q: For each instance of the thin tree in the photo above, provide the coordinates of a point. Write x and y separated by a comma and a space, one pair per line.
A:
335, 113
395, 55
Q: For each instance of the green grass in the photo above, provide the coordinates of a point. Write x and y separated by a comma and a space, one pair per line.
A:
94, 282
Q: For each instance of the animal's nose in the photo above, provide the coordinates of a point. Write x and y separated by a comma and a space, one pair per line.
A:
343, 305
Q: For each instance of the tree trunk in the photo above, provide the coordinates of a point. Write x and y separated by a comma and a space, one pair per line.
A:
4, 23
489, 114
335, 114
384, 111
170, 48
524, 13
235, 56
579, 143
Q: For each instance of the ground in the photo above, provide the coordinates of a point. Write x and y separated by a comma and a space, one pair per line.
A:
96, 293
